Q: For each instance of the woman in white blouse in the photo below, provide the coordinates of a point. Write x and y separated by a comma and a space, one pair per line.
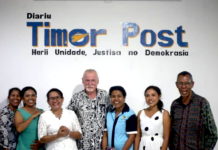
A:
58, 128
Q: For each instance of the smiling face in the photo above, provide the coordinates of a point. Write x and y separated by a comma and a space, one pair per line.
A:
14, 98
55, 100
29, 98
152, 97
90, 81
117, 99
184, 86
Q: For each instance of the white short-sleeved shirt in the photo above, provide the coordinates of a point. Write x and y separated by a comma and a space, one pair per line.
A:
49, 124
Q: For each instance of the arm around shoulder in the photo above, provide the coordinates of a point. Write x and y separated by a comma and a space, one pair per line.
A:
20, 124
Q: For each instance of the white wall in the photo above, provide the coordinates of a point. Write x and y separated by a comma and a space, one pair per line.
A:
20, 68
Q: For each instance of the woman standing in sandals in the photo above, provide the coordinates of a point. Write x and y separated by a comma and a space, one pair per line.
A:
153, 123
26, 121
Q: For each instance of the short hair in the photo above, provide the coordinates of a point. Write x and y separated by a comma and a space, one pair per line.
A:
119, 88
91, 70
54, 90
183, 73
157, 89
13, 89
25, 89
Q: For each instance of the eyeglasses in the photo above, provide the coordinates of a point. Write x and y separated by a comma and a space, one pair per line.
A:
187, 84
54, 98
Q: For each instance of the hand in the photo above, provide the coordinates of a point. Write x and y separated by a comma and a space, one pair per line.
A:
110, 148
37, 113
36, 145
67, 131
63, 131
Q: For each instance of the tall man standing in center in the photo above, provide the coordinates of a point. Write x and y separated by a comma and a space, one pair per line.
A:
90, 106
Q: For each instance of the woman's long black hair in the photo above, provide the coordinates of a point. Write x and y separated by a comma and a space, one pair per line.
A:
157, 89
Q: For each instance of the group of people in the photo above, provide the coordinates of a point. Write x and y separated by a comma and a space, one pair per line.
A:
96, 120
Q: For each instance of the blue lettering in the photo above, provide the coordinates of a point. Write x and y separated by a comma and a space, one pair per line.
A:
34, 26
164, 38
127, 34
59, 36
179, 32
94, 34
144, 40
47, 34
